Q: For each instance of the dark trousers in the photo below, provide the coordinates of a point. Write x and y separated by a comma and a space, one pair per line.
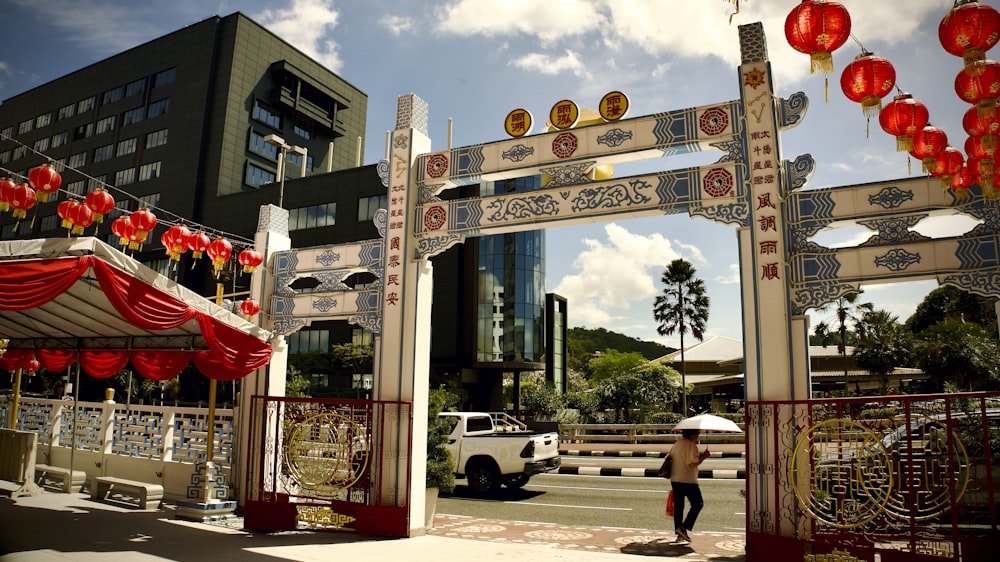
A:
690, 492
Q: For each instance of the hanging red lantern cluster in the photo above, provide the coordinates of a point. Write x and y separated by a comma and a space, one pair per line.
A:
17, 197
866, 80
250, 259
968, 30
902, 118
175, 241
947, 163
75, 215
101, 203
45, 180
979, 84
249, 307
219, 250
144, 222
927, 144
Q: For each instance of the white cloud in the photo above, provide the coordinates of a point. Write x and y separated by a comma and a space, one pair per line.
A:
306, 24
4, 67
731, 277
615, 274
546, 64
547, 21
397, 25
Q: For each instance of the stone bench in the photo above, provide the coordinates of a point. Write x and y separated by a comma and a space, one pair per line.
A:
68, 481
147, 495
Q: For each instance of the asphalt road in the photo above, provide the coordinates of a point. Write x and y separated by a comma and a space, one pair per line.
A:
599, 501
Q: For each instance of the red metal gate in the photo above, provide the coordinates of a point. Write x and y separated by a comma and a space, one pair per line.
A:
321, 464
903, 478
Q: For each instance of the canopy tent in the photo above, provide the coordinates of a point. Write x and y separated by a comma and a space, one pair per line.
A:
79, 299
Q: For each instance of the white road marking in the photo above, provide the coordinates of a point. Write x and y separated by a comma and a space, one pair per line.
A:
571, 506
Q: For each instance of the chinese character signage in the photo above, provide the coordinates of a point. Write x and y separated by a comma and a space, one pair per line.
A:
518, 123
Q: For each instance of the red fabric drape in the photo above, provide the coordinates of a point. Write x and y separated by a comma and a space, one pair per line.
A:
55, 359
103, 363
160, 365
210, 365
33, 283
232, 347
141, 304
15, 359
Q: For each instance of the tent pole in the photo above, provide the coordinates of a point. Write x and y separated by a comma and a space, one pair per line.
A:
12, 415
72, 425
210, 453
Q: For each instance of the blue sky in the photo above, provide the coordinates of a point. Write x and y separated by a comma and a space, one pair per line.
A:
475, 60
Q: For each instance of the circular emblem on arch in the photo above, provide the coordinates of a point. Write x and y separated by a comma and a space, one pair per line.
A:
437, 165
718, 182
564, 145
435, 217
326, 452
713, 121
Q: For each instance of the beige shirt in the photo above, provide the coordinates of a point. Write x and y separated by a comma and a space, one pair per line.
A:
686, 459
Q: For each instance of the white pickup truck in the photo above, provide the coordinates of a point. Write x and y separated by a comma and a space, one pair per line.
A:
491, 449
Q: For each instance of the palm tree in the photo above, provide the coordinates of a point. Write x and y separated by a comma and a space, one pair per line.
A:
682, 307
883, 344
848, 309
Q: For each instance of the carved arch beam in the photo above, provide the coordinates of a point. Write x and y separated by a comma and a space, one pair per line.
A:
366, 254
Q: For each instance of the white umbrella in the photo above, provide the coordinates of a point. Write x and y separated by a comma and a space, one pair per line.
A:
707, 422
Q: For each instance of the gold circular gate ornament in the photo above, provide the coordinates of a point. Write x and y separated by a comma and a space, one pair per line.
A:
326, 453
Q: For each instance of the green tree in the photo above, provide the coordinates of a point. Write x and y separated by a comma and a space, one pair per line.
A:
682, 307
637, 394
539, 398
958, 352
440, 466
848, 310
882, 344
611, 363
296, 385
948, 302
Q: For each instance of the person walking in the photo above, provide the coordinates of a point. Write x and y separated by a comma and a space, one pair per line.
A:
684, 482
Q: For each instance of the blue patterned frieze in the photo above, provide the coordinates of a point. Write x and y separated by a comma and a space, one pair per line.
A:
285, 261
571, 174
818, 294
369, 321
797, 172
368, 300
332, 281
732, 151
897, 259
614, 137
433, 245
282, 305
429, 193
990, 215
984, 283
287, 325
283, 284
676, 127
619, 195
517, 152
753, 47
974, 253
816, 263
678, 149
382, 168
792, 110
324, 304
729, 213
894, 230
381, 221
468, 160
799, 235
522, 207
890, 197
328, 258
370, 254
467, 213
809, 206
675, 188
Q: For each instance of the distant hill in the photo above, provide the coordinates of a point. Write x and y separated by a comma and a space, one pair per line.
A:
583, 343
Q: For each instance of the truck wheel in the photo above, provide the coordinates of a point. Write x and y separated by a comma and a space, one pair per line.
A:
515, 481
483, 478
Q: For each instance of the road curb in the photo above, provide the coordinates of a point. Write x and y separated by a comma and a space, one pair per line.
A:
720, 474
651, 454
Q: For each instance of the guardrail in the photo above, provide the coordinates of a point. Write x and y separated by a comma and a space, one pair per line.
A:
633, 433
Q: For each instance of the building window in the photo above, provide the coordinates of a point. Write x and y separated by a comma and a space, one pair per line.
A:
66, 111
60, 139
313, 216
5, 156
124, 177
164, 77
149, 171
368, 205
265, 115
259, 146
77, 160
103, 153
97, 182
362, 337
301, 132
295, 160
75, 187
7, 132
112, 95
50, 222
150, 201
135, 88
133, 116
105, 125
25, 126
83, 131
86, 104
43, 120
126, 146
158, 108
304, 341
41, 145
156, 138
20, 152
59, 165
256, 176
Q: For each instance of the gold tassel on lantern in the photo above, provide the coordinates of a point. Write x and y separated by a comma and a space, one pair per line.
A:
822, 61
904, 143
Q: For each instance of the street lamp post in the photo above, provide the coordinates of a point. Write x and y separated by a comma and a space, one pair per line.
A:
283, 147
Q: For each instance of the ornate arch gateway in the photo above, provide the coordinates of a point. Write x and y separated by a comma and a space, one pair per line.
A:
783, 274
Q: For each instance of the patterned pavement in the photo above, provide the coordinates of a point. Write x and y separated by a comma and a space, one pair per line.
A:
704, 546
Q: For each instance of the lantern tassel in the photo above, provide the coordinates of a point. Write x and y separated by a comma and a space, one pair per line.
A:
904, 143
907, 165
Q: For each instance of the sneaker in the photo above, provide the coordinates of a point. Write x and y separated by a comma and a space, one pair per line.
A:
682, 534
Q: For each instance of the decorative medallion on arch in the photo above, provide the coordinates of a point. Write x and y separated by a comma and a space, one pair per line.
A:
517, 153
435, 217
437, 165
569, 175
714, 121
615, 137
564, 145
718, 182
791, 110
897, 259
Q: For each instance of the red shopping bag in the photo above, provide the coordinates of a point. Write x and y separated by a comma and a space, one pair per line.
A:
670, 503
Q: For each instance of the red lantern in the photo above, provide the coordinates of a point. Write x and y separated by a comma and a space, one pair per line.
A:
175, 240
902, 118
249, 307
32, 365
119, 227
927, 144
81, 217
101, 203
867, 80
219, 250
144, 222
818, 28
968, 30
63, 211
982, 126
45, 180
250, 259
947, 164
198, 243
6, 193
976, 149
962, 182
22, 199
979, 84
